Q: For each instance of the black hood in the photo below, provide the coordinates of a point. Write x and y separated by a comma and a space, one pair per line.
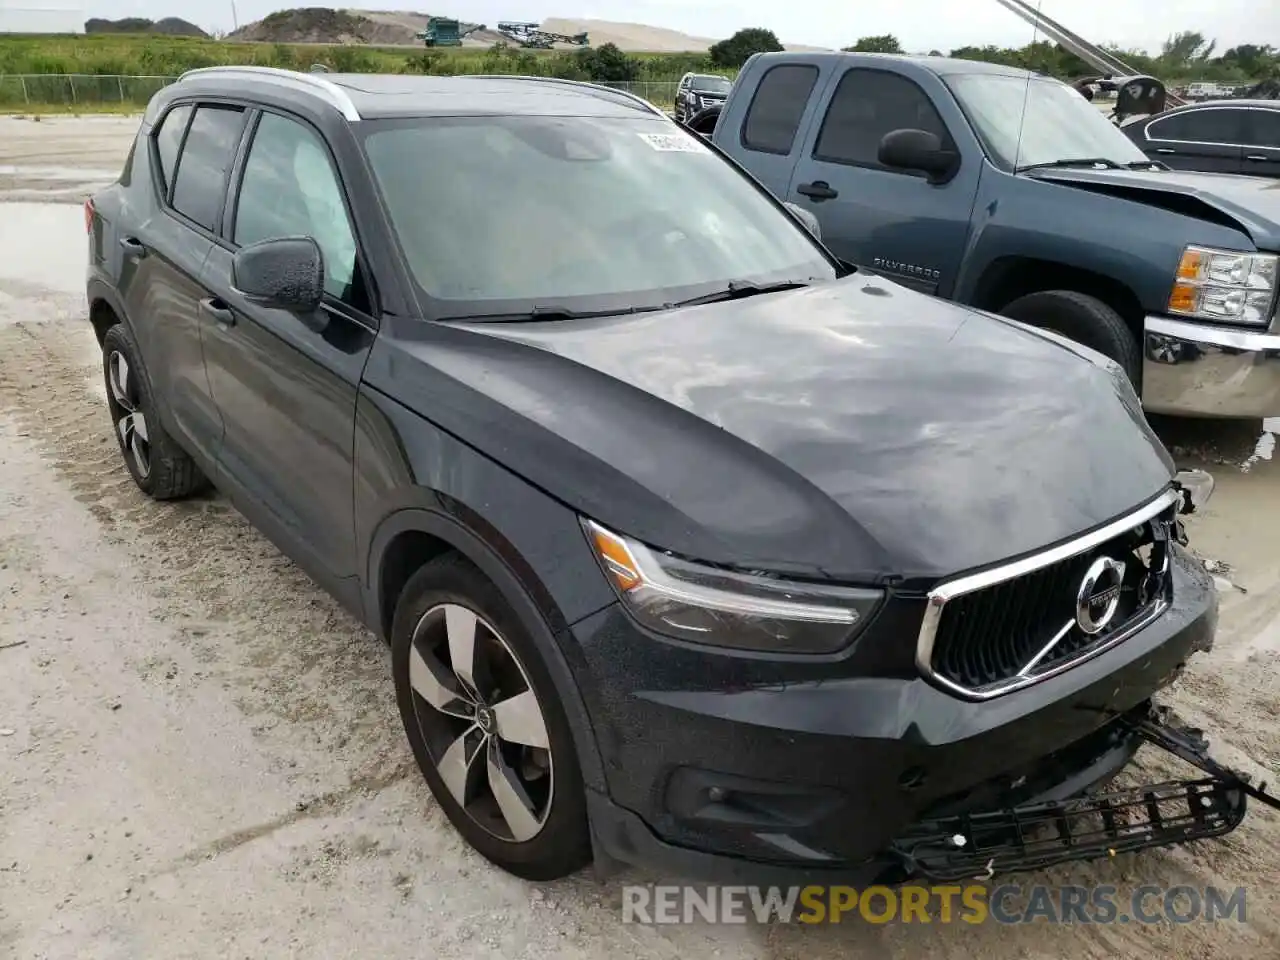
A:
1251, 202
855, 430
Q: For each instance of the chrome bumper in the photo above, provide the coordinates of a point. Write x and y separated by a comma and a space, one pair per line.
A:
1191, 369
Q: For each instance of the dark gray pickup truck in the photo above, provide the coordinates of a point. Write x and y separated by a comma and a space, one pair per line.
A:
1010, 192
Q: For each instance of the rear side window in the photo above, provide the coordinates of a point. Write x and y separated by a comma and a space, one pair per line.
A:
201, 182
1264, 129
168, 140
774, 115
868, 104
1201, 126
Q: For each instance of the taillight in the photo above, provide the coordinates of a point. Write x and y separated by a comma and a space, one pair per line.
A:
88, 216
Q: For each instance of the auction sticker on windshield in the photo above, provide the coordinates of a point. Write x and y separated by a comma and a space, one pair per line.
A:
672, 142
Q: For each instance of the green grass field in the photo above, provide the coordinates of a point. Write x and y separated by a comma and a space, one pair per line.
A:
78, 71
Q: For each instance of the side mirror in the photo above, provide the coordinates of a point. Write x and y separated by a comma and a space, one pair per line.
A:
918, 150
808, 219
287, 273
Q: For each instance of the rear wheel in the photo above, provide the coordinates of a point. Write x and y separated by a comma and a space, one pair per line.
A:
1084, 319
161, 469
481, 714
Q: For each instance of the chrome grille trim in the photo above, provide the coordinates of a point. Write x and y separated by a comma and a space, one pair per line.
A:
940, 595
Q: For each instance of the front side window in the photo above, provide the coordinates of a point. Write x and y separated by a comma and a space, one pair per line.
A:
1201, 126
505, 214
867, 105
1264, 129
290, 189
200, 184
1023, 121
777, 107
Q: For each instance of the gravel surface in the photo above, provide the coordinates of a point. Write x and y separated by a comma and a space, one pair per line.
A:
200, 754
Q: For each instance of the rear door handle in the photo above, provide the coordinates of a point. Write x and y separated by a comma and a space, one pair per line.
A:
818, 190
1165, 150
133, 247
1256, 156
218, 311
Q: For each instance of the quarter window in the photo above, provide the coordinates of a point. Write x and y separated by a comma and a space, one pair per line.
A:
868, 104
774, 115
201, 182
169, 140
1201, 126
290, 189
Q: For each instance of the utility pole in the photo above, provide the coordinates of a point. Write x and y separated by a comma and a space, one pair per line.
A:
235, 23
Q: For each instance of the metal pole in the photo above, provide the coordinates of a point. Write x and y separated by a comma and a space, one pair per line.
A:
25, 97
72, 80
120, 87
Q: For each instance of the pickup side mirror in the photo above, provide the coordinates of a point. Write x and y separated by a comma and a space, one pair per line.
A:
807, 218
920, 150
287, 273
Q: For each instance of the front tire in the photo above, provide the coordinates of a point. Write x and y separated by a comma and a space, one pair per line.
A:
482, 717
161, 469
1084, 319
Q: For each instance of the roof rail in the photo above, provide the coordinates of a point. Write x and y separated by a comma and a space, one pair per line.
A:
624, 94
338, 98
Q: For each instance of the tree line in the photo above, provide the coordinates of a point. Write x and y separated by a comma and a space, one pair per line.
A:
1184, 56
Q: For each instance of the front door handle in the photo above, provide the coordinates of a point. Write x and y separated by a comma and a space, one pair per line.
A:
1165, 150
1255, 156
819, 190
218, 311
133, 247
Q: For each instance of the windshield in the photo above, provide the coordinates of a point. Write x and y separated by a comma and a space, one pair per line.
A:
1059, 123
499, 215
711, 84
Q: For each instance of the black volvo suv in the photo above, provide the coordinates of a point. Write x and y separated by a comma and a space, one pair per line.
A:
694, 546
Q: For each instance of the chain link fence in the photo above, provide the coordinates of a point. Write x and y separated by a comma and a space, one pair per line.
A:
90, 91
85, 90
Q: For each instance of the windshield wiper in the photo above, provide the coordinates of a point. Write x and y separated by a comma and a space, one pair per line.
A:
737, 289
546, 311
1072, 162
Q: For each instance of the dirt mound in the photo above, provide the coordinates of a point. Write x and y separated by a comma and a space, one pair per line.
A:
169, 26
312, 25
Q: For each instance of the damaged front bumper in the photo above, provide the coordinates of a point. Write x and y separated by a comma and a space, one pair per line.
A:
1037, 835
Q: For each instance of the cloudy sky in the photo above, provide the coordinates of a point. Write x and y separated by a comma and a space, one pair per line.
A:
919, 24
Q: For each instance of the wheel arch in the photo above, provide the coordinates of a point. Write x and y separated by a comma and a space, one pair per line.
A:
413, 536
105, 309
1007, 278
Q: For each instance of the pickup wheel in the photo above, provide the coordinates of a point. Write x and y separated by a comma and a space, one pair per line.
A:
1084, 319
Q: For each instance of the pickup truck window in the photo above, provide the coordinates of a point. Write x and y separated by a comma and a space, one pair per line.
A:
1023, 121
775, 111
499, 215
868, 104
1210, 125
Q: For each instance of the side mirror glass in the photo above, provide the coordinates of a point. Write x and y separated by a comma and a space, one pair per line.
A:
918, 150
808, 219
287, 273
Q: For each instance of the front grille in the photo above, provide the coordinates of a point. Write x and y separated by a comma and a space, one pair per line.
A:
990, 633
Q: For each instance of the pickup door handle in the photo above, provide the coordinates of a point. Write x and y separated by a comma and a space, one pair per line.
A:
1165, 150
1255, 156
218, 310
818, 190
133, 247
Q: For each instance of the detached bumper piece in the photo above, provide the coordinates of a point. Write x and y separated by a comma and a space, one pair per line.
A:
1199, 370
1038, 835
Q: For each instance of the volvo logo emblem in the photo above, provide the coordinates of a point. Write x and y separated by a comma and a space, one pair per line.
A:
1099, 595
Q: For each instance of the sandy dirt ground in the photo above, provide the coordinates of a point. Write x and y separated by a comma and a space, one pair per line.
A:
200, 754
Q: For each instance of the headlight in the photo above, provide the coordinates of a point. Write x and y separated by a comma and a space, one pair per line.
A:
1225, 286
702, 604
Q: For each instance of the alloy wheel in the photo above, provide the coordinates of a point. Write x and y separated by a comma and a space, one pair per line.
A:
481, 722
131, 422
